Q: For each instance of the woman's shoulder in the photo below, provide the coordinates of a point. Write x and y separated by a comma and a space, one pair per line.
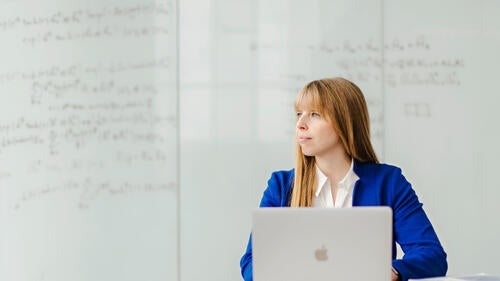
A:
278, 189
282, 177
367, 169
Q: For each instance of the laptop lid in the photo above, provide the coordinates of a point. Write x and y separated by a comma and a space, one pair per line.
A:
346, 244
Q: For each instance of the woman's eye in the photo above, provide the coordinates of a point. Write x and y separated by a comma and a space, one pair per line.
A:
298, 114
315, 114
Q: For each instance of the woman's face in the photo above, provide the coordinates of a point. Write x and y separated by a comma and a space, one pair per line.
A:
315, 134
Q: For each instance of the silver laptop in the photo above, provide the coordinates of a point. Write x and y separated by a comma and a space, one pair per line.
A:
315, 244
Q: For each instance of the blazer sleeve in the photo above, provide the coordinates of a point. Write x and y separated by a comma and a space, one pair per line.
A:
275, 195
423, 254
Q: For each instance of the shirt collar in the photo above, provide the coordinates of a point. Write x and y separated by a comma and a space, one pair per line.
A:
321, 181
347, 182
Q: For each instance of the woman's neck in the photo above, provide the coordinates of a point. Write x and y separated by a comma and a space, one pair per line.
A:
335, 168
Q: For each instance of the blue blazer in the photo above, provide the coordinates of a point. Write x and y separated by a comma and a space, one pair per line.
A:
378, 185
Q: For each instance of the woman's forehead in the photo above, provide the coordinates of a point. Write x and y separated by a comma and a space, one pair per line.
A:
300, 107
307, 101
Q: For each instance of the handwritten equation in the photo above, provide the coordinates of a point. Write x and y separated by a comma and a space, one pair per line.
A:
98, 107
90, 190
126, 21
396, 63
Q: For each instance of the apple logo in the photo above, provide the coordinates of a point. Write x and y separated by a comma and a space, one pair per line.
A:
321, 254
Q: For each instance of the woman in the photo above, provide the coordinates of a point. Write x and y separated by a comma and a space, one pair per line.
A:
336, 166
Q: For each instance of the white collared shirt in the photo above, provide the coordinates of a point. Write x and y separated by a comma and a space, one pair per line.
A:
323, 195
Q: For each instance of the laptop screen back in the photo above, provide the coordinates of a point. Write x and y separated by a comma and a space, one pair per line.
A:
345, 244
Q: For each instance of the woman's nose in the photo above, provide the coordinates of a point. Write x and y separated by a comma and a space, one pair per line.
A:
301, 123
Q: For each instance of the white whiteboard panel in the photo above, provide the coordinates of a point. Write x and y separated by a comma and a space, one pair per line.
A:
242, 63
88, 140
442, 120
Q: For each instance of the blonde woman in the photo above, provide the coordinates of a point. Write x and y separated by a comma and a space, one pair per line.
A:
336, 166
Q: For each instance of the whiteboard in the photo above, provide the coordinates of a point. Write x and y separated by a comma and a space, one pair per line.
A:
88, 140
137, 136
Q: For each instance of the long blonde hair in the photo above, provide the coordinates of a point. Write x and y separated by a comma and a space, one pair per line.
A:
343, 103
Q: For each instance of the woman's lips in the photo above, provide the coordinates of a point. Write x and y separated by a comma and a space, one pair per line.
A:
302, 139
